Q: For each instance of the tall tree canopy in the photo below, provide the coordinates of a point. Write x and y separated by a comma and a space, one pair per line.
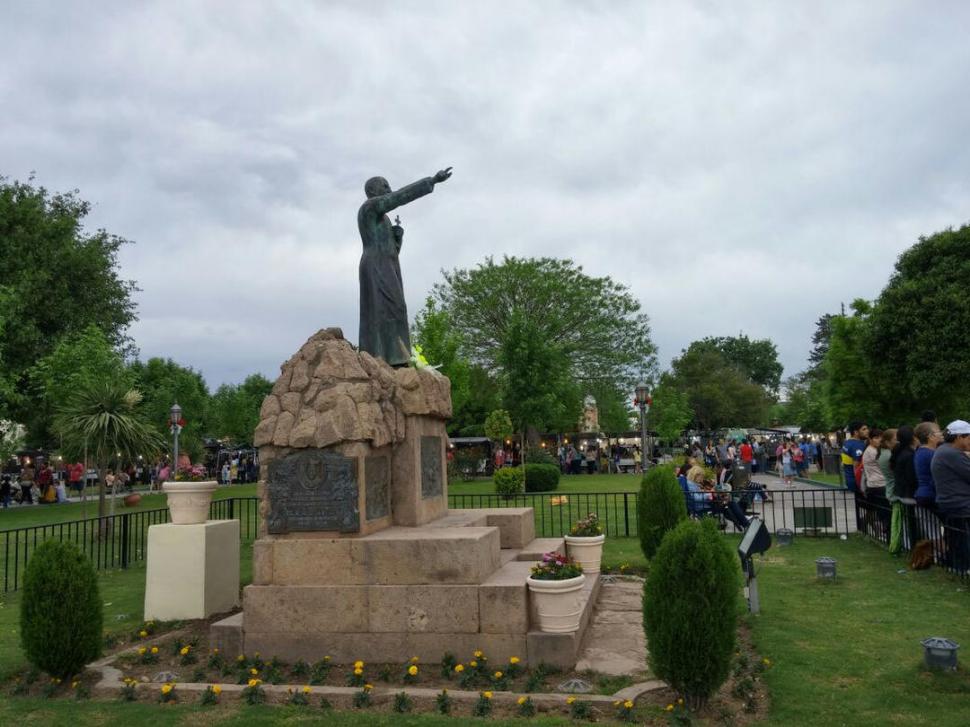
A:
919, 324
550, 332
77, 360
58, 280
234, 409
756, 359
163, 382
720, 394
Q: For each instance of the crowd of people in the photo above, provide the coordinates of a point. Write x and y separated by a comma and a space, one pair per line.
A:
38, 481
918, 480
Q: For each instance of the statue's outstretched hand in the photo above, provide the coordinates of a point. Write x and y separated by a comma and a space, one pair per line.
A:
442, 175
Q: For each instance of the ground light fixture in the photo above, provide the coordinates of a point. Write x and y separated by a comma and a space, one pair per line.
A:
940, 653
825, 567
784, 536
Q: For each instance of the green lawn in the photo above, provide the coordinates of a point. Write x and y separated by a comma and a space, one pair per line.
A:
848, 652
845, 653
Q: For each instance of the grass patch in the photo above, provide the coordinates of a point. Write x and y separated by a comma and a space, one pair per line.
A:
68, 713
123, 598
848, 652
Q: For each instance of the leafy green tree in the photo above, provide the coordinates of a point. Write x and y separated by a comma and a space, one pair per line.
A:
521, 313
539, 391
234, 409
720, 395
756, 359
852, 388
918, 328
498, 425
11, 440
78, 358
103, 419
820, 341
59, 280
806, 404
441, 343
165, 382
670, 413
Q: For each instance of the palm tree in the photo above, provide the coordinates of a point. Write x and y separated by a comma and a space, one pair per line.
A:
103, 418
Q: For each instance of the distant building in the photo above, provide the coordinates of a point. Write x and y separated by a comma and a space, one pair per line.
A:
591, 416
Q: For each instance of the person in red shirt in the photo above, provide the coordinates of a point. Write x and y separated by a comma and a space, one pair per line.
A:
747, 453
75, 475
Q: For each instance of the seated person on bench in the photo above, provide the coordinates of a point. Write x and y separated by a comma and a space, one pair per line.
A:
723, 502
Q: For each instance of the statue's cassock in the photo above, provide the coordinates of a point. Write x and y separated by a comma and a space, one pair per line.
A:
383, 312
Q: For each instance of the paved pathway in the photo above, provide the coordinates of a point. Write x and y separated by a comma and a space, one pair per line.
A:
614, 642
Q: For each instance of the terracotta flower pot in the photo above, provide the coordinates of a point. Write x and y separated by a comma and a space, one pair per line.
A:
133, 499
557, 603
587, 551
188, 502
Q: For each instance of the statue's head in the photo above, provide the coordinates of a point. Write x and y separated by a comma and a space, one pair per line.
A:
376, 186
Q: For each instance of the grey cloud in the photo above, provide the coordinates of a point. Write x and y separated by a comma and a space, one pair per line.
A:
739, 166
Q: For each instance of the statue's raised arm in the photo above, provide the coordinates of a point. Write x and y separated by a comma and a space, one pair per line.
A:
383, 313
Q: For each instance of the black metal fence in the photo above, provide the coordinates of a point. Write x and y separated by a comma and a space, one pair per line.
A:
940, 540
810, 512
114, 541
120, 540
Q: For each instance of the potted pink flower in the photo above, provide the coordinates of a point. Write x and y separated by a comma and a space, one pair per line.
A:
555, 585
585, 543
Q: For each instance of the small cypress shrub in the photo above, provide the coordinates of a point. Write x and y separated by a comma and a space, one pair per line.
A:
660, 507
541, 477
60, 610
508, 481
690, 608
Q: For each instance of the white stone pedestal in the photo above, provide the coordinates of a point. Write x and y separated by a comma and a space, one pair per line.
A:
193, 570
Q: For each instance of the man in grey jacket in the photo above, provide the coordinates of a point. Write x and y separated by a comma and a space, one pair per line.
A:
951, 474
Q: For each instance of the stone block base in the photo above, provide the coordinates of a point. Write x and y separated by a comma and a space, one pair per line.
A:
384, 648
394, 556
192, 570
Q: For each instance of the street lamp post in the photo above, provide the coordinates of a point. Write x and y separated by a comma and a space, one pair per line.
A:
176, 428
642, 394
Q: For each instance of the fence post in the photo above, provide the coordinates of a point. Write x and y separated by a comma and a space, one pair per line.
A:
125, 527
626, 515
232, 509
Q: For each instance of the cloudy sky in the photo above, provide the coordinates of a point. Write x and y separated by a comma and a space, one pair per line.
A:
741, 167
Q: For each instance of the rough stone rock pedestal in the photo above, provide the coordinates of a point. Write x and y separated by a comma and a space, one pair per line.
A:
358, 556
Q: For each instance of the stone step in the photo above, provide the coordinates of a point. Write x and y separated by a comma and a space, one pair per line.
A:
507, 555
503, 600
517, 525
393, 556
538, 547
461, 519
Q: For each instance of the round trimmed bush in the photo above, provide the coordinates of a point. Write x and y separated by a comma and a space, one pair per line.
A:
508, 481
690, 607
60, 610
541, 477
660, 506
